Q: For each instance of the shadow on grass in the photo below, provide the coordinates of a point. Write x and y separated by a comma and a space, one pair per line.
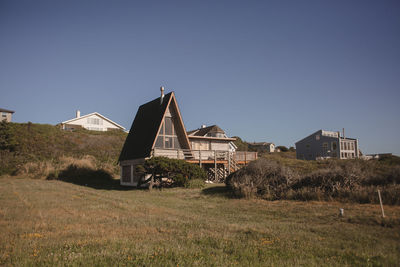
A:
97, 179
218, 191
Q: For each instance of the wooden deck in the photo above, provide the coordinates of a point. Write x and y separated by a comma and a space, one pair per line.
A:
218, 163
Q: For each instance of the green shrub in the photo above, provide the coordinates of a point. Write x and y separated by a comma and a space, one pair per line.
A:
179, 171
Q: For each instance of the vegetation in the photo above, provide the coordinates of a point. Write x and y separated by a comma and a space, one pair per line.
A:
79, 226
282, 148
246, 146
37, 150
343, 180
178, 172
240, 144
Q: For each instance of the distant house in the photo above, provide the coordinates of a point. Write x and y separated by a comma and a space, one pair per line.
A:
158, 130
326, 144
262, 146
6, 115
93, 121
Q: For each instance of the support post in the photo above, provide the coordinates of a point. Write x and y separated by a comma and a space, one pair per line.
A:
200, 158
380, 201
229, 162
215, 165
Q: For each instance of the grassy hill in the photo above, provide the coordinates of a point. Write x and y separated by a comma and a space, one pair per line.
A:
41, 149
54, 223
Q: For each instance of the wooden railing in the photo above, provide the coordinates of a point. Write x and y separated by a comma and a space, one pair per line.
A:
204, 155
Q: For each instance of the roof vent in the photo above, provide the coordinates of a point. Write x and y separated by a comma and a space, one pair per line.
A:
78, 114
162, 94
203, 126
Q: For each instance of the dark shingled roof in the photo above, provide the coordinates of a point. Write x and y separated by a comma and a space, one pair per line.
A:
206, 130
6, 110
144, 129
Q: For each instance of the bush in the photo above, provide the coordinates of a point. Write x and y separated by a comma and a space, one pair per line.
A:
264, 178
179, 171
343, 180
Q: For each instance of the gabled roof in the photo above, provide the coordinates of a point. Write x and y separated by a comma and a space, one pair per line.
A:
6, 110
145, 127
94, 113
204, 131
201, 133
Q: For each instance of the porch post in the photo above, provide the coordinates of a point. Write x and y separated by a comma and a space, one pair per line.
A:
215, 165
229, 162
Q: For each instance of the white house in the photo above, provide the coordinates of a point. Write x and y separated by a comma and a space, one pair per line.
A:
93, 121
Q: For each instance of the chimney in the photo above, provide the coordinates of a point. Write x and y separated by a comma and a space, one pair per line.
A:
162, 94
78, 114
343, 134
203, 126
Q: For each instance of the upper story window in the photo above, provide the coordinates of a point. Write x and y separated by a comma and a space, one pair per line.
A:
167, 137
317, 137
95, 121
4, 114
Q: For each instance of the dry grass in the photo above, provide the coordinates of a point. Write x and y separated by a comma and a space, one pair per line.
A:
57, 223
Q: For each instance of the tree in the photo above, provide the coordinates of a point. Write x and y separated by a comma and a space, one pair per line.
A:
7, 139
282, 148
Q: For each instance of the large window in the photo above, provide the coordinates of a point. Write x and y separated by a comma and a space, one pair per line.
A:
95, 121
167, 137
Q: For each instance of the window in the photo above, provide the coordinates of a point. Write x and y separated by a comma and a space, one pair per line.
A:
317, 137
167, 137
308, 146
334, 145
168, 126
126, 174
95, 121
325, 146
4, 115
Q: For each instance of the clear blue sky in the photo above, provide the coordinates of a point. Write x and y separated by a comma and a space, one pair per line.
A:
262, 70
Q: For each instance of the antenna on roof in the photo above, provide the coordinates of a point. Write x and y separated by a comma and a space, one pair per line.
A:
162, 94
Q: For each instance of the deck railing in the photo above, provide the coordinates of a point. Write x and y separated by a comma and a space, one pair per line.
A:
205, 155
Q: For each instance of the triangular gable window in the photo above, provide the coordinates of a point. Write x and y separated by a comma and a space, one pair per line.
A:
168, 137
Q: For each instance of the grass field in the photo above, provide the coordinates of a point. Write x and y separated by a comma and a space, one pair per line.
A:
58, 223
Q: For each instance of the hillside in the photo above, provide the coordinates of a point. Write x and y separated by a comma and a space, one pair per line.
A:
38, 149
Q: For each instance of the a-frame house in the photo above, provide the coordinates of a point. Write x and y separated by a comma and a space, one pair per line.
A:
158, 125
158, 130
